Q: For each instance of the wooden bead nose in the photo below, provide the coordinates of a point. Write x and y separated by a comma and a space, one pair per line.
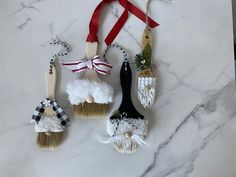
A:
90, 99
128, 134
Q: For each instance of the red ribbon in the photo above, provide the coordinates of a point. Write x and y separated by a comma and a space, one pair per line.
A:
128, 7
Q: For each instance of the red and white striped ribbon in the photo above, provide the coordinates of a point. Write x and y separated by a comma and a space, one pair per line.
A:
81, 65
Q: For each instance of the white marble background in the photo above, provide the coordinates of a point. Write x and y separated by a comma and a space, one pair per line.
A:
192, 124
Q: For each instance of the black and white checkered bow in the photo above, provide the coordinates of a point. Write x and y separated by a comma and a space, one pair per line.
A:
61, 115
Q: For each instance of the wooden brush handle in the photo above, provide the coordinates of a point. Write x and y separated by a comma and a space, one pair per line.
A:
51, 78
91, 51
147, 37
147, 40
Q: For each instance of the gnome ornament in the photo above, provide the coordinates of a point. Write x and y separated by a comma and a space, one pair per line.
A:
49, 118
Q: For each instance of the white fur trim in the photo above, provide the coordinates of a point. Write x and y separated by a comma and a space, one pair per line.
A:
80, 89
49, 124
136, 126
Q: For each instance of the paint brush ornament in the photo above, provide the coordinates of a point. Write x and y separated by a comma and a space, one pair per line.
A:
146, 81
90, 96
127, 128
49, 118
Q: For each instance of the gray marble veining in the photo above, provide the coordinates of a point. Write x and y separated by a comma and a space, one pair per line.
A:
192, 124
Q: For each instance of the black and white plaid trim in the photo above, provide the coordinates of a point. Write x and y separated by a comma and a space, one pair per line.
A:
61, 115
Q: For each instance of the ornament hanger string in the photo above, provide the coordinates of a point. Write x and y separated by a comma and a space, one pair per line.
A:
128, 7
66, 50
147, 11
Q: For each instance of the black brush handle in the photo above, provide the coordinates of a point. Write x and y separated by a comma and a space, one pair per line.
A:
126, 81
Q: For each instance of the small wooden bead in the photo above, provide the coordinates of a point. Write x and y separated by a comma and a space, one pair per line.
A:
90, 99
128, 134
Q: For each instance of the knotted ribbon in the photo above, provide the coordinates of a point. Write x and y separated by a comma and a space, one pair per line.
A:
128, 7
81, 65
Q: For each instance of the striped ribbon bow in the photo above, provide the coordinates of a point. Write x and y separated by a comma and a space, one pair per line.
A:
81, 65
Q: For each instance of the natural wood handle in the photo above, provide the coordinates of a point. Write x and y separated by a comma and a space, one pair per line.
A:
147, 37
51, 83
91, 51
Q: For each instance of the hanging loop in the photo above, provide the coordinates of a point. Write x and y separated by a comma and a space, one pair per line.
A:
128, 7
64, 52
124, 52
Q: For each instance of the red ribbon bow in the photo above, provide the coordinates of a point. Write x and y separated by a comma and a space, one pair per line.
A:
128, 7
81, 65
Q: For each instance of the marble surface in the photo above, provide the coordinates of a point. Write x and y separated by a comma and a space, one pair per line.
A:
234, 17
192, 124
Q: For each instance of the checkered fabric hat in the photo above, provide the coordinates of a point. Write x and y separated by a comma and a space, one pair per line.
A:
61, 115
